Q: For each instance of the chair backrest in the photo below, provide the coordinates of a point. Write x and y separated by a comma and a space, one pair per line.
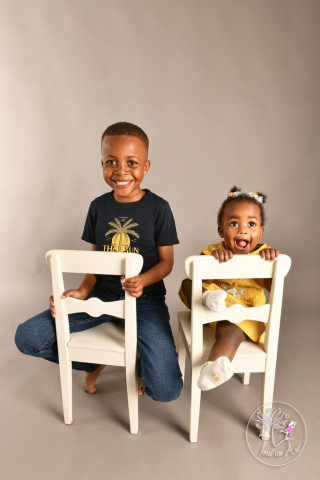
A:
204, 267
104, 263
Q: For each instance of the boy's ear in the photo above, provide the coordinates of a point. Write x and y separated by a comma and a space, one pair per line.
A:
101, 162
220, 231
146, 166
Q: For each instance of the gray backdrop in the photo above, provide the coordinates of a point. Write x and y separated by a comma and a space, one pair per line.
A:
228, 93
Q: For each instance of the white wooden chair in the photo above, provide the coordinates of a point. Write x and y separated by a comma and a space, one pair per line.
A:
106, 344
196, 337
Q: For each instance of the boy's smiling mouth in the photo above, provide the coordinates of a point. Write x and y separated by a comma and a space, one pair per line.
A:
123, 183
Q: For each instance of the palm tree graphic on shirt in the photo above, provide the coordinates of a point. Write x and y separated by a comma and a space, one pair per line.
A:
121, 239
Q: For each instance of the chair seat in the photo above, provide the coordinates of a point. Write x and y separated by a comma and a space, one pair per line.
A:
103, 344
108, 336
246, 352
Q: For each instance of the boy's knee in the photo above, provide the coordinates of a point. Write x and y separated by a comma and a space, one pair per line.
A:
165, 391
22, 340
18, 338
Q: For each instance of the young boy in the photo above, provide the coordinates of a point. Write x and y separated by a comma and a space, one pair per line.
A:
127, 219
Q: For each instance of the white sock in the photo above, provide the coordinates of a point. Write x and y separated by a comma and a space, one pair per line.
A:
215, 300
215, 373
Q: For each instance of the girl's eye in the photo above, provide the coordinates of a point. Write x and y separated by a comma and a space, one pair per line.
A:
252, 224
234, 224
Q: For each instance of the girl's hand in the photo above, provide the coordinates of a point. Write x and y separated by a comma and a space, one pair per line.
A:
222, 254
133, 285
269, 254
69, 293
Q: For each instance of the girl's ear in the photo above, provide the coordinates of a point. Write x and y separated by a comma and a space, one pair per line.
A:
261, 232
220, 231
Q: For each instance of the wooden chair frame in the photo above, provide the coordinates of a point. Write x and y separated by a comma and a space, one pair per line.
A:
196, 337
106, 344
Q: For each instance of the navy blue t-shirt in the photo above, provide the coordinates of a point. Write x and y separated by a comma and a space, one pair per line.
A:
137, 227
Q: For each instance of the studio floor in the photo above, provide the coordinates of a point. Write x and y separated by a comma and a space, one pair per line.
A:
35, 443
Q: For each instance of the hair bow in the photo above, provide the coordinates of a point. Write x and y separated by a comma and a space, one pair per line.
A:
257, 197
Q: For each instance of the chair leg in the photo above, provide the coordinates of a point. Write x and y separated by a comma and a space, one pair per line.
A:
195, 404
267, 388
66, 389
181, 355
132, 392
246, 378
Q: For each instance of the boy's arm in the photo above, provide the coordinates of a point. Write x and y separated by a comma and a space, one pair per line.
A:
164, 266
88, 282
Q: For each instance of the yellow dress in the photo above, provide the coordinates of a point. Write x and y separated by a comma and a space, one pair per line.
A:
243, 291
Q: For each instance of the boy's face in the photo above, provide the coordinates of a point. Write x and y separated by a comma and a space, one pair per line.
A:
241, 226
125, 163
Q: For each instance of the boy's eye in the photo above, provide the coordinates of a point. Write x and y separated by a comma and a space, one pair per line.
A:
110, 162
131, 163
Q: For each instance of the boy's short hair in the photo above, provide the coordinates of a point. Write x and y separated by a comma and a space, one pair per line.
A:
126, 128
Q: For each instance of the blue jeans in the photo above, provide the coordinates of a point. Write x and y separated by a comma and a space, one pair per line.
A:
158, 361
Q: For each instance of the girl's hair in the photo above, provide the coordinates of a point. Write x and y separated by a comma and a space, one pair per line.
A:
244, 197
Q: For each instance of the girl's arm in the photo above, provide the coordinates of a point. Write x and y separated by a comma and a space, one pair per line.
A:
267, 284
162, 268
186, 290
269, 254
88, 282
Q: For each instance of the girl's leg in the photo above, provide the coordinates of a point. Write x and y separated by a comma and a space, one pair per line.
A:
158, 363
218, 368
228, 339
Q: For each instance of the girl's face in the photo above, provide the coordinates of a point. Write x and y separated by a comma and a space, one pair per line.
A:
241, 226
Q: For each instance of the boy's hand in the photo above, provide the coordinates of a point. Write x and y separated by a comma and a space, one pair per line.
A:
133, 285
269, 254
69, 293
222, 254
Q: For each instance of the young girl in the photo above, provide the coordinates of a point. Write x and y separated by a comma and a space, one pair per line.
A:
241, 221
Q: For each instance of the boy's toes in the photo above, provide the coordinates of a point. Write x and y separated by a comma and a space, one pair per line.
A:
90, 379
89, 388
141, 387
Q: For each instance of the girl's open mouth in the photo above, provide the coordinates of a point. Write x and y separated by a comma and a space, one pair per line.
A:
241, 244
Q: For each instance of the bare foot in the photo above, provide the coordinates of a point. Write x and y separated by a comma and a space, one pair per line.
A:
141, 387
90, 379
